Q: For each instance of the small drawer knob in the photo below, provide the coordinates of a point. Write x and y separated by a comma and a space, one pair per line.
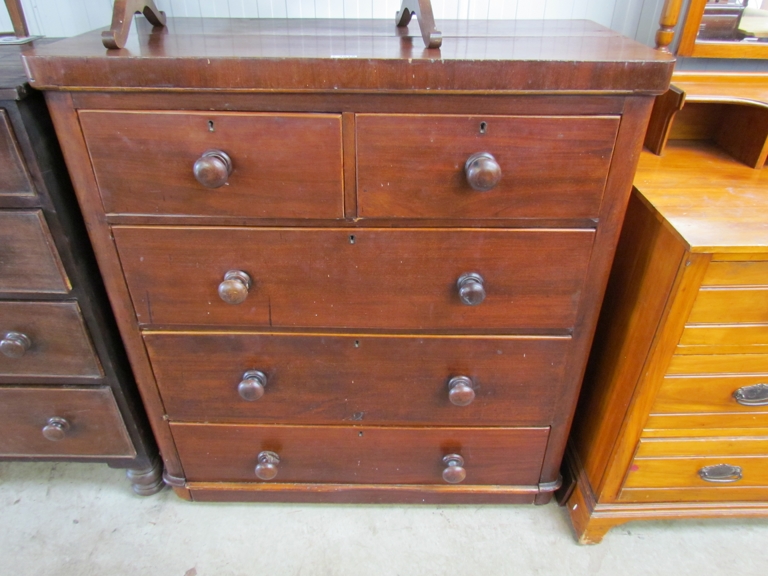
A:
15, 344
471, 288
461, 390
721, 473
55, 429
266, 469
454, 472
755, 395
251, 388
482, 171
212, 169
234, 288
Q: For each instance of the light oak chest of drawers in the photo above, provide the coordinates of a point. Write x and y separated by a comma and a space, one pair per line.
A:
363, 278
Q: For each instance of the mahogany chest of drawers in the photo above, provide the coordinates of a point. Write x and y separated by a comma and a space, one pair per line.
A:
66, 389
347, 268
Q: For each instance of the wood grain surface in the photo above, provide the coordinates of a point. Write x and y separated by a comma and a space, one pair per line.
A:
15, 180
705, 395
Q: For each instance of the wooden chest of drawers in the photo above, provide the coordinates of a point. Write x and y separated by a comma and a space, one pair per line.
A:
66, 390
347, 269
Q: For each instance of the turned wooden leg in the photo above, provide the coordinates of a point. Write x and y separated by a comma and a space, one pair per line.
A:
147, 481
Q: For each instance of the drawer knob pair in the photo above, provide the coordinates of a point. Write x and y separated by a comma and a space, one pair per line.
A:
721, 473
213, 168
268, 461
15, 344
56, 429
755, 395
482, 171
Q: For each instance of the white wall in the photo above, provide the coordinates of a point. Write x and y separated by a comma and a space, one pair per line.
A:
71, 17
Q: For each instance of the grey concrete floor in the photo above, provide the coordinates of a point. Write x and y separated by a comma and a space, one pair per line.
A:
82, 519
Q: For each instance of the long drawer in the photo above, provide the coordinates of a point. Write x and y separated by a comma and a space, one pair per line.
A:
44, 421
360, 454
356, 278
282, 165
358, 379
719, 394
413, 166
46, 339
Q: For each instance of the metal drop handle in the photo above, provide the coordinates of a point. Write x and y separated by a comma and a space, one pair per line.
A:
755, 395
721, 473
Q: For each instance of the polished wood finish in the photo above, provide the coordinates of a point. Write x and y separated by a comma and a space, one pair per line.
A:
144, 163
516, 379
66, 389
30, 262
340, 293
364, 278
43, 421
680, 333
59, 342
122, 16
414, 166
667, 22
422, 9
361, 454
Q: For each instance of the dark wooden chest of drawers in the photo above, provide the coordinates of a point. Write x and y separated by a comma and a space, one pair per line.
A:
347, 269
66, 389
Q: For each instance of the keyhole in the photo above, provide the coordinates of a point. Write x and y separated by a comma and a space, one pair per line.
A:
351, 238
210, 126
483, 127
357, 343
360, 434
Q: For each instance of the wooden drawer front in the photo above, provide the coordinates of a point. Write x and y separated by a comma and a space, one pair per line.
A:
14, 178
724, 339
718, 364
333, 379
360, 455
92, 423
28, 259
283, 166
702, 447
412, 166
712, 394
747, 273
730, 306
684, 472
59, 344
356, 278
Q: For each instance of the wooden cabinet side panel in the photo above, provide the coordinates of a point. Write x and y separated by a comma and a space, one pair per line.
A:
78, 163
647, 261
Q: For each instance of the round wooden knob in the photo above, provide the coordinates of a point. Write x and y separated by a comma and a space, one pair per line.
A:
55, 429
251, 388
213, 168
471, 288
482, 170
266, 469
234, 288
461, 390
454, 472
15, 344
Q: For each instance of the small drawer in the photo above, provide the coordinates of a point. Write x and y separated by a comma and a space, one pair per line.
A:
722, 394
62, 422
356, 278
730, 306
415, 166
720, 471
282, 165
45, 339
28, 258
15, 179
703, 447
724, 339
359, 455
718, 364
735, 273
359, 379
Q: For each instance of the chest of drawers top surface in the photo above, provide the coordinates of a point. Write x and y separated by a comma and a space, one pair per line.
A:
335, 55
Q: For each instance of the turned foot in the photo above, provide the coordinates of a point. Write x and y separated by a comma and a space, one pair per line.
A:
147, 481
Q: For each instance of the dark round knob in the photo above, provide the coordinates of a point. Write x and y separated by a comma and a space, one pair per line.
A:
234, 288
212, 169
55, 429
15, 344
471, 288
482, 170
266, 469
454, 472
461, 390
251, 388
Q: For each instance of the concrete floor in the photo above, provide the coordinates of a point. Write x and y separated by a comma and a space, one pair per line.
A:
81, 519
